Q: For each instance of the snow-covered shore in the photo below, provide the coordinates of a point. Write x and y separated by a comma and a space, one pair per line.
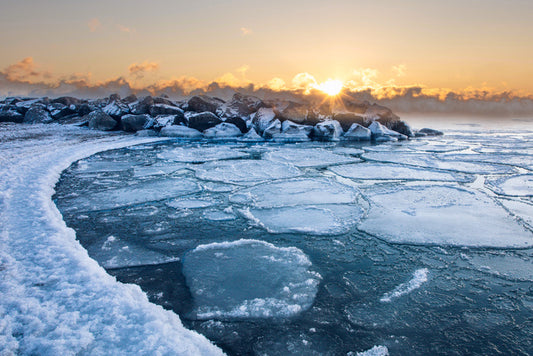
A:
54, 299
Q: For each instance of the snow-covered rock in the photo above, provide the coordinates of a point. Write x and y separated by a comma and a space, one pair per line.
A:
116, 109
272, 130
291, 128
223, 130
382, 133
241, 106
37, 115
134, 123
180, 131
263, 118
329, 130
252, 136
357, 132
203, 103
11, 116
164, 109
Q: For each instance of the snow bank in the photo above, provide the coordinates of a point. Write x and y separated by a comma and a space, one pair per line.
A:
55, 300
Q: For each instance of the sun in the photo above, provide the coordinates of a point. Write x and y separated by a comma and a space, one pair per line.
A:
331, 87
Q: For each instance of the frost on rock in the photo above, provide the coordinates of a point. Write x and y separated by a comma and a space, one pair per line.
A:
245, 171
441, 215
201, 154
157, 189
520, 185
305, 158
249, 279
382, 171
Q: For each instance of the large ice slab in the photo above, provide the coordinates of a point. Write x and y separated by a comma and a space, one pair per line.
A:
459, 164
304, 191
245, 171
521, 209
382, 171
201, 154
442, 215
153, 190
519, 185
326, 219
506, 266
308, 157
523, 161
249, 279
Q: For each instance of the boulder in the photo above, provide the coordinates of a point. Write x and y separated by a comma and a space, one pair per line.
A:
203, 121
223, 130
381, 133
252, 136
143, 106
202, 103
11, 116
272, 130
239, 122
381, 113
37, 115
116, 109
130, 99
263, 118
161, 121
401, 127
164, 109
99, 120
329, 130
291, 128
59, 111
134, 123
241, 105
180, 131
430, 132
293, 111
347, 119
163, 100
146, 133
66, 100
357, 132
84, 109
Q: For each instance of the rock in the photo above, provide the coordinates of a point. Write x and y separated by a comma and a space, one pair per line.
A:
74, 119
116, 109
130, 99
291, 128
143, 106
163, 100
37, 115
84, 109
430, 132
146, 133
164, 109
180, 131
203, 121
347, 119
381, 133
66, 100
293, 111
401, 127
113, 97
239, 122
161, 121
263, 118
11, 116
99, 120
223, 130
241, 105
381, 113
272, 130
134, 123
202, 103
252, 136
357, 132
59, 111
329, 130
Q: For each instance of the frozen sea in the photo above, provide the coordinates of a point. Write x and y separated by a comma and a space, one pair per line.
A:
417, 247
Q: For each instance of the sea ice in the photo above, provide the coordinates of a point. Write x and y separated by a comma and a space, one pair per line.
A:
441, 215
217, 215
505, 265
153, 190
157, 169
375, 351
249, 279
521, 209
245, 171
382, 171
201, 154
308, 157
520, 185
91, 166
190, 203
420, 276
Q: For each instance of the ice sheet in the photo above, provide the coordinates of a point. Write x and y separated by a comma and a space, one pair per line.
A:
441, 215
245, 171
249, 279
201, 154
302, 157
519, 185
506, 266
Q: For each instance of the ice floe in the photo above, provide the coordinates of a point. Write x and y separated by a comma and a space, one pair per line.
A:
504, 265
201, 154
420, 276
520, 209
249, 279
519, 185
441, 215
302, 157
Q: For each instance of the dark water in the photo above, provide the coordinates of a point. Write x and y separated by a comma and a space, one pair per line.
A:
461, 309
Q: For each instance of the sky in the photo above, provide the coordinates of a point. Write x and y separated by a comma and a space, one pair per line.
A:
441, 46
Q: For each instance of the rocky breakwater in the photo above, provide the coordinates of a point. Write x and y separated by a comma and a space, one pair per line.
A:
245, 117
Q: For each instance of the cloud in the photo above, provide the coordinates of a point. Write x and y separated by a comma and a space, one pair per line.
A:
125, 29
364, 77
276, 84
139, 69
246, 31
304, 81
25, 71
94, 24
400, 70
243, 69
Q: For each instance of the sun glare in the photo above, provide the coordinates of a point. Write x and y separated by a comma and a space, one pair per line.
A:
331, 87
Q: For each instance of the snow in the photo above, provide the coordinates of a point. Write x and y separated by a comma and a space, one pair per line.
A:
223, 131
146, 191
180, 131
201, 154
442, 215
521, 209
420, 276
245, 171
520, 185
305, 158
249, 279
375, 351
55, 299
381, 171
252, 136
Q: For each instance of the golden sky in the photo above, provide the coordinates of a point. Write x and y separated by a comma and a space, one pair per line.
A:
453, 45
